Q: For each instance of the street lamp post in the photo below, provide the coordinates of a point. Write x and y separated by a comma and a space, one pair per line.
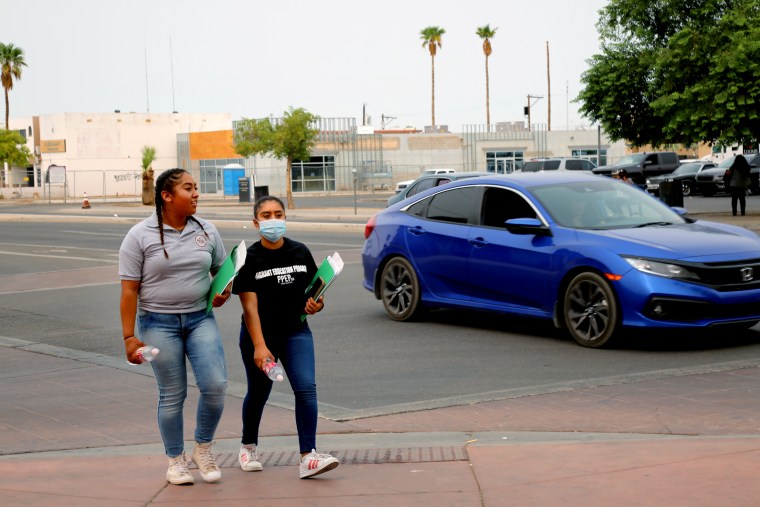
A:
353, 171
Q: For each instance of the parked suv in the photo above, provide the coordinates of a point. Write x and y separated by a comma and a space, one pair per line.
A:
429, 181
710, 181
401, 185
641, 166
557, 164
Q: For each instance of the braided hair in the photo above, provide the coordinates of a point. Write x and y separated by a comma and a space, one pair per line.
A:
166, 181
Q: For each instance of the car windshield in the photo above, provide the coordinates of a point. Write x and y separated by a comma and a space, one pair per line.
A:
631, 159
604, 205
726, 163
688, 169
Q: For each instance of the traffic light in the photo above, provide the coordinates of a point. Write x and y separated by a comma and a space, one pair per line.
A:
526, 110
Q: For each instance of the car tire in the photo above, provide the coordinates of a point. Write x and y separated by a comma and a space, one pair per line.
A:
686, 188
590, 310
400, 290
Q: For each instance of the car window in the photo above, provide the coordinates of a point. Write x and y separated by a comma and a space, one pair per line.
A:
551, 165
419, 209
420, 186
531, 167
500, 205
442, 181
453, 205
573, 165
688, 169
602, 205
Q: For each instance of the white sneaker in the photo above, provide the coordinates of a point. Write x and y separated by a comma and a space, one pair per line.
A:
206, 463
314, 464
248, 457
178, 472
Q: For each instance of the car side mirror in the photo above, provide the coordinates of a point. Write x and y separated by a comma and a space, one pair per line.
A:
527, 226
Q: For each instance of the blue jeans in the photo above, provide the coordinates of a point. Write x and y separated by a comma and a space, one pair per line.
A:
196, 336
296, 353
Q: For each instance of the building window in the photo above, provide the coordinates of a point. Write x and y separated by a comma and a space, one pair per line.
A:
504, 162
591, 155
315, 175
211, 179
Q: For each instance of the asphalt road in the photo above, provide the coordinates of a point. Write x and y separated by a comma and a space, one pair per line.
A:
58, 286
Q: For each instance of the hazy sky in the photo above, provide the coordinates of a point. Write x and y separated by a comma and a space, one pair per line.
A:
253, 58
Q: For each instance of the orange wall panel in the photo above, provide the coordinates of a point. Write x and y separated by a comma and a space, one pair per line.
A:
212, 145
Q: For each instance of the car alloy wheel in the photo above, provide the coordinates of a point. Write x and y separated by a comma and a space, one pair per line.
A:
590, 310
400, 290
686, 188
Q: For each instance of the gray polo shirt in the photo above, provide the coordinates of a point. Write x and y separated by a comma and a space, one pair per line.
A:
179, 284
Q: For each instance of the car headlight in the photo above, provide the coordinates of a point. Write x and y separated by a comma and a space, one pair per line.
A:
665, 269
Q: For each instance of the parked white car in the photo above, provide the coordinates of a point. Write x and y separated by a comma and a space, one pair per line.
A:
401, 185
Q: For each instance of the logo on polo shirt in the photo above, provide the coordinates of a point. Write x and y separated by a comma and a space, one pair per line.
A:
200, 240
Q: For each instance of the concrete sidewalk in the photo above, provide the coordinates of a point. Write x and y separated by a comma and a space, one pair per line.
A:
81, 432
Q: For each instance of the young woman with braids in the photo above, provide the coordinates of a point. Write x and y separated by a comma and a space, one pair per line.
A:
164, 266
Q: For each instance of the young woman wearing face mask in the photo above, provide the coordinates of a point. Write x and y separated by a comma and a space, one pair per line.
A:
271, 288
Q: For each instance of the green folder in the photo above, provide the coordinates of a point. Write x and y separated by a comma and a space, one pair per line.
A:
226, 273
326, 274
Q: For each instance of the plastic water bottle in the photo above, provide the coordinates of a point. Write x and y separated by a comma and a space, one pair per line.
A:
146, 354
274, 371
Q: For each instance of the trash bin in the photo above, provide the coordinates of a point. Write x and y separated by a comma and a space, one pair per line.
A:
244, 189
261, 191
671, 192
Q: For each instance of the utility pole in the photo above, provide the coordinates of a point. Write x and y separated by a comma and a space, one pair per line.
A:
548, 89
530, 105
384, 117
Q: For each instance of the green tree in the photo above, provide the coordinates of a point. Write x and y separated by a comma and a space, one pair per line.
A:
11, 62
148, 184
676, 71
432, 40
291, 137
13, 149
487, 33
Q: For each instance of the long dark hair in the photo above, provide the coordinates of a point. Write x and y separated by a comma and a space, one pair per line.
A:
166, 181
740, 164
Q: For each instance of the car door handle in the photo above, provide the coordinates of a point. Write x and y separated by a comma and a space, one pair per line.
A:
480, 242
416, 230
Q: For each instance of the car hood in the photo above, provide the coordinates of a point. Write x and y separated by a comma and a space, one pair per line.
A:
713, 171
697, 242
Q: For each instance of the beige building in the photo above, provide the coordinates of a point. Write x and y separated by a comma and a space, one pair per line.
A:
100, 154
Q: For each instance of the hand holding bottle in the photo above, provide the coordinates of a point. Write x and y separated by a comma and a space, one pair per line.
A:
274, 371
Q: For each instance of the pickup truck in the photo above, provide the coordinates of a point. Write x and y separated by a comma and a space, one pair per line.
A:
640, 166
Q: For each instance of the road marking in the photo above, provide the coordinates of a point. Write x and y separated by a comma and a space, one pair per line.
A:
88, 259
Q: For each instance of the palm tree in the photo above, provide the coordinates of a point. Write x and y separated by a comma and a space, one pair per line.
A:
148, 185
431, 39
11, 61
486, 33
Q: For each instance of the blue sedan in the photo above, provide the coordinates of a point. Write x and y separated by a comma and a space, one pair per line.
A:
593, 254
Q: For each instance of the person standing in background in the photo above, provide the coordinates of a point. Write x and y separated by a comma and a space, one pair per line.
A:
737, 178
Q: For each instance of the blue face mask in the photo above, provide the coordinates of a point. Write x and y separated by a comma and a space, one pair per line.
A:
272, 230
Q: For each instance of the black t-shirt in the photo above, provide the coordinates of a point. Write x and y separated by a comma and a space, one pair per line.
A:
279, 278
